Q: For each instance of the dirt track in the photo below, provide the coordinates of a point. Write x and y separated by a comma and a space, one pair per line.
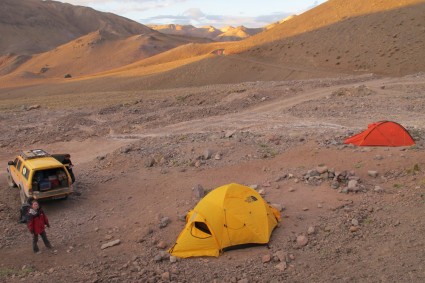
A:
261, 131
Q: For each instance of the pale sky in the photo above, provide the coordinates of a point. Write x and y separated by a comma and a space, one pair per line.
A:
218, 13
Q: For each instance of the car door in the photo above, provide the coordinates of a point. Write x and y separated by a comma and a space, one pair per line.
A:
15, 170
25, 173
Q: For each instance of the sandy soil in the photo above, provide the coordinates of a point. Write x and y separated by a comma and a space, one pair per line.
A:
138, 156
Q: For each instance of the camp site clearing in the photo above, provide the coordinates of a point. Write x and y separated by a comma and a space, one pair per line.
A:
137, 183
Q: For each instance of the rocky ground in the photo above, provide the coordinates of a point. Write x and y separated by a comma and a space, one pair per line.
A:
350, 214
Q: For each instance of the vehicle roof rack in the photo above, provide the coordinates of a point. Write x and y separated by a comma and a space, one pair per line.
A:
34, 153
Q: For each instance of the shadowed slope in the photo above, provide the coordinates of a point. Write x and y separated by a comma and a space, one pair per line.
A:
34, 26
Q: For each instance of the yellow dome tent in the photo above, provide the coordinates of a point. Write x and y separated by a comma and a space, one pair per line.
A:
228, 216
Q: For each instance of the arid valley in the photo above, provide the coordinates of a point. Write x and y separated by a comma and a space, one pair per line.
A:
148, 117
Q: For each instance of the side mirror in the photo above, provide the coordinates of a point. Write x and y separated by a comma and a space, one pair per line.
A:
10, 163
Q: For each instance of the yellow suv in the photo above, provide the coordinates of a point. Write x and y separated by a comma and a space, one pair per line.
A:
39, 175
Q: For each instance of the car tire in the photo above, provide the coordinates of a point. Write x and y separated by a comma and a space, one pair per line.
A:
23, 196
10, 182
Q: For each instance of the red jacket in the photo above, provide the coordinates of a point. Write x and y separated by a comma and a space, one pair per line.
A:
37, 222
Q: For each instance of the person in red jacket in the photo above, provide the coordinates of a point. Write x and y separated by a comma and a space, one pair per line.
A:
36, 224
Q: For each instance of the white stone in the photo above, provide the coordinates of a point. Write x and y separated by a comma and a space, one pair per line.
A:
110, 244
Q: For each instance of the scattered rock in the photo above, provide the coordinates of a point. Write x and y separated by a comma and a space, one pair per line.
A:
164, 222
266, 184
150, 162
281, 266
352, 184
198, 192
302, 241
207, 154
110, 244
162, 255
173, 259
161, 245
280, 178
166, 276
126, 149
311, 230
229, 133
321, 169
373, 174
335, 185
378, 189
33, 107
281, 256
354, 229
266, 258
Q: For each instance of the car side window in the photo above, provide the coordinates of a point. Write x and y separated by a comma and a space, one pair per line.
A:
25, 172
18, 164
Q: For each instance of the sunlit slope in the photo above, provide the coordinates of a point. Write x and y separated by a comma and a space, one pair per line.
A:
384, 37
96, 52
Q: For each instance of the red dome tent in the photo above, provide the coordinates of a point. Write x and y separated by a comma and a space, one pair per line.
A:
384, 133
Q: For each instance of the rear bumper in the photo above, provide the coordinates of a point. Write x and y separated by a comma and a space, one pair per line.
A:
56, 193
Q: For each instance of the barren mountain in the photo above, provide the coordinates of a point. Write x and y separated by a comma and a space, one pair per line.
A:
228, 33
187, 30
337, 37
35, 26
238, 33
83, 41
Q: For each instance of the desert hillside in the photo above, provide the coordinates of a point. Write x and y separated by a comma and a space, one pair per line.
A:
35, 26
76, 40
382, 37
96, 52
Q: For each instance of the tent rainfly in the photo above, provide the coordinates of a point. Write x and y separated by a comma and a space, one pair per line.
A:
229, 216
384, 133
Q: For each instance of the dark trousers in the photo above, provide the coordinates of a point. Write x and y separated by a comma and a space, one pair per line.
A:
45, 241
72, 175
